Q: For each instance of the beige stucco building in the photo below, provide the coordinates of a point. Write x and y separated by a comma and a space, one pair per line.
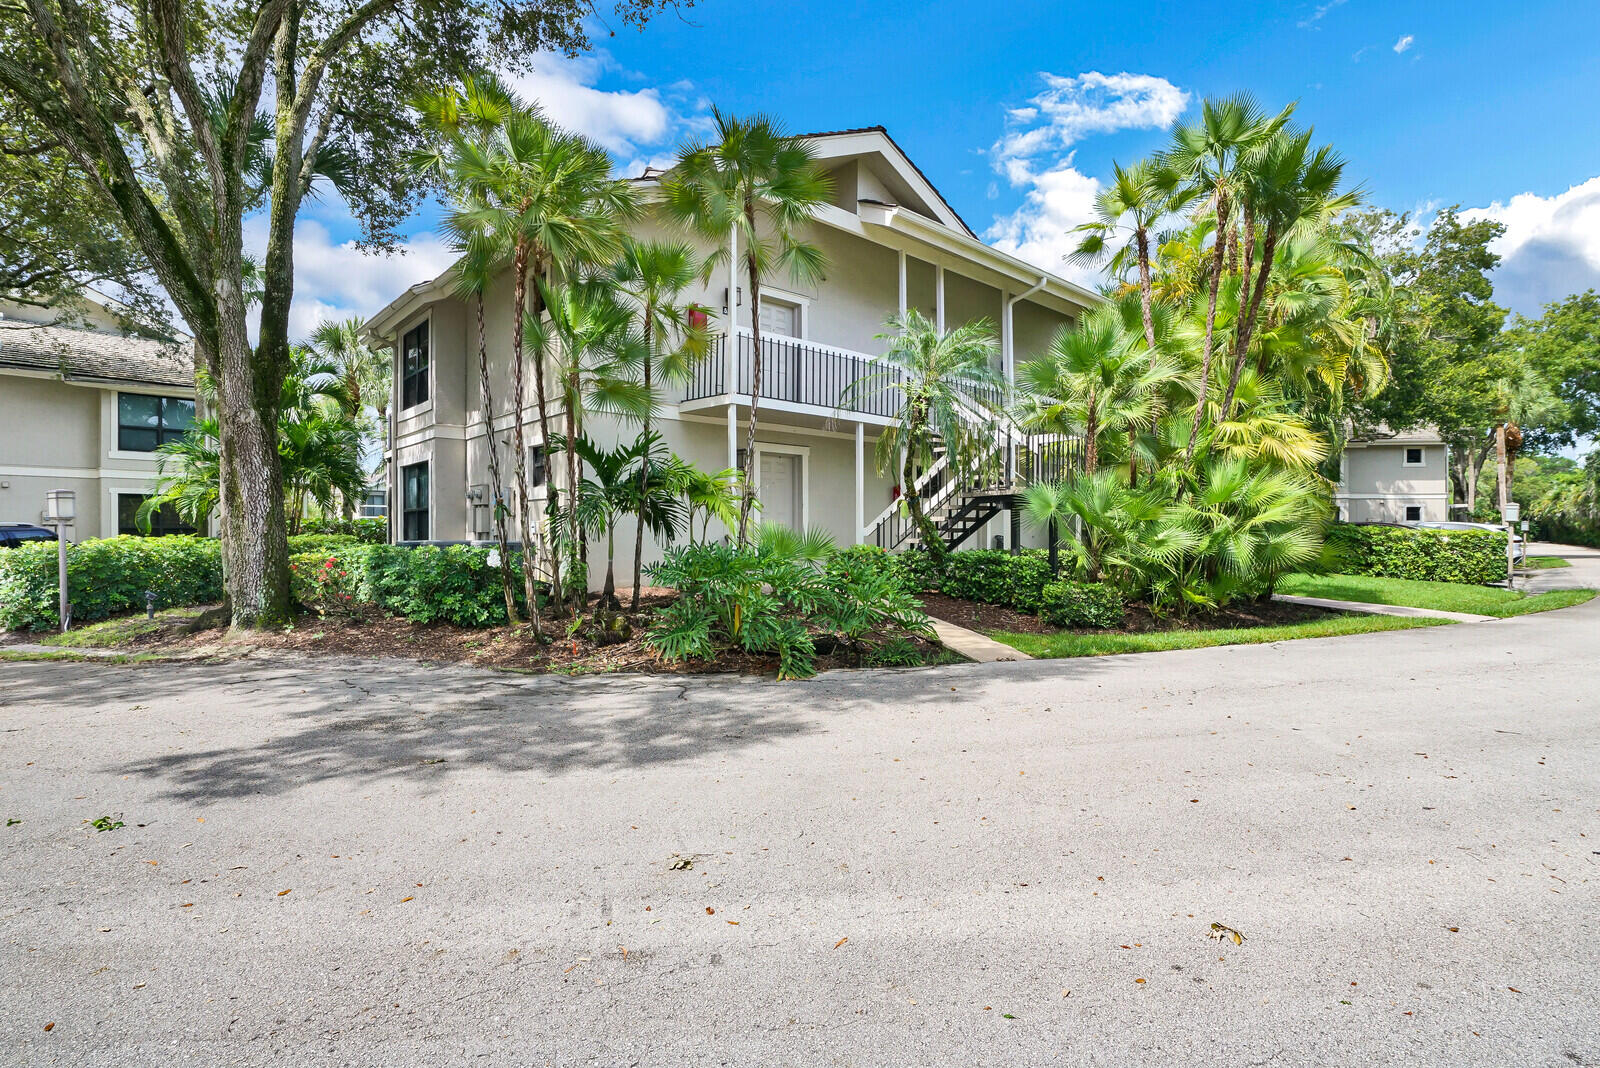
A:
1395, 478
891, 243
83, 407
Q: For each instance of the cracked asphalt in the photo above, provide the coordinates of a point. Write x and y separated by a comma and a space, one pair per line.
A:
334, 862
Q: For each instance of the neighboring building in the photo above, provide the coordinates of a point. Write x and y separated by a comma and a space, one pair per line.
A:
83, 407
891, 243
1394, 478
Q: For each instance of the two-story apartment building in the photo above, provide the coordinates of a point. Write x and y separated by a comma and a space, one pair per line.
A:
83, 407
1389, 477
891, 242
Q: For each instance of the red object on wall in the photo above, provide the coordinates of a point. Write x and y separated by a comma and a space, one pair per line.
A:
894, 492
698, 317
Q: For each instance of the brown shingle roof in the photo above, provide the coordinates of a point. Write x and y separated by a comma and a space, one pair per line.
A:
94, 354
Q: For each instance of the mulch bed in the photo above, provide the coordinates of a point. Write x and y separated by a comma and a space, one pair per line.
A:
990, 617
505, 647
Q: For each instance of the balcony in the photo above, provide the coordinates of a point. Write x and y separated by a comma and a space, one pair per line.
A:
796, 375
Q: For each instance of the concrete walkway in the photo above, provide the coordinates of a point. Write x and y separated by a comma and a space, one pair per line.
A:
1384, 609
974, 646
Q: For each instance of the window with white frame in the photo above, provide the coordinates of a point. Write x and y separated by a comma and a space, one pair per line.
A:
146, 422
414, 366
414, 502
1413, 513
1414, 456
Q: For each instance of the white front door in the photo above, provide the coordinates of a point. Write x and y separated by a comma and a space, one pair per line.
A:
781, 489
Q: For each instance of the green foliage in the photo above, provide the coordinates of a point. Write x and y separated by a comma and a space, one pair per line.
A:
1081, 604
425, 584
105, 823
320, 543
982, 575
107, 576
896, 652
373, 530
1471, 556
771, 599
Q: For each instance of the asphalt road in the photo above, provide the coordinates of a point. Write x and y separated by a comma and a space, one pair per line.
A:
363, 863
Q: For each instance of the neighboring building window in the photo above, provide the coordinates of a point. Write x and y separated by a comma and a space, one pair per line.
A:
1413, 456
414, 494
1413, 513
375, 505
145, 423
537, 472
164, 521
414, 366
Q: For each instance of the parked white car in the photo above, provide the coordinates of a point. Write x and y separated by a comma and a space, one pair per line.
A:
1516, 539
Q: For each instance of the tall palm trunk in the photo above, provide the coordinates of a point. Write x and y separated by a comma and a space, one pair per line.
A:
1141, 240
1246, 329
932, 540
644, 461
1219, 246
755, 374
519, 441
496, 482
1091, 437
579, 593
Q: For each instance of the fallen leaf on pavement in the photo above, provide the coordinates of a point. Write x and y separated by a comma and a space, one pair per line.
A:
841, 941
282, 892
1220, 931
50, 1026
1138, 980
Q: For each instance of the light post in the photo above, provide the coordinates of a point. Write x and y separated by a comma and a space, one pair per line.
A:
60, 507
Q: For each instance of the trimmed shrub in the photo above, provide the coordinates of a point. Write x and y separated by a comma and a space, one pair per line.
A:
1030, 574
1470, 556
320, 543
982, 575
106, 577
368, 531
425, 584
916, 571
1081, 604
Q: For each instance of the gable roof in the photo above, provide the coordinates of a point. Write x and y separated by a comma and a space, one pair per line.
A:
94, 354
897, 158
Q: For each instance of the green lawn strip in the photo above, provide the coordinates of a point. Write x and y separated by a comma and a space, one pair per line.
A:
1544, 563
73, 656
1048, 646
1441, 596
107, 633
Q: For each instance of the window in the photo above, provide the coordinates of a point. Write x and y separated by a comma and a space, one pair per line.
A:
414, 492
375, 505
537, 467
165, 521
1413, 456
1413, 513
414, 366
145, 422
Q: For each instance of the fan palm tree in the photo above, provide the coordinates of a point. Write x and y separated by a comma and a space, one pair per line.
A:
1137, 198
655, 274
1210, 157
546, 200
1092, 380
589, 336
948, 393
755, 189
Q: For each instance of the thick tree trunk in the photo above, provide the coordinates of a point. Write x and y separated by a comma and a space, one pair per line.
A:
1502, 471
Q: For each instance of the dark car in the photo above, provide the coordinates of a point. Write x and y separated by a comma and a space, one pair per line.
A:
15, 534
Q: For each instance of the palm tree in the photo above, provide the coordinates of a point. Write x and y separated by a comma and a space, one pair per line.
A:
1210, 157
755, 188
1092, 380
546, 200
365, 374
1137, 199
716, 494
613, 489
589, 335
948, 393
655, 274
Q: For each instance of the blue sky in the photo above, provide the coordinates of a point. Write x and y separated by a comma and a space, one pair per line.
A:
1015, 111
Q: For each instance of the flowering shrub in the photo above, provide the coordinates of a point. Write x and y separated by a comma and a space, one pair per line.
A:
321, 582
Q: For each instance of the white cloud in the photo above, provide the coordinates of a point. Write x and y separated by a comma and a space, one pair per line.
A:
335, 280
1403, 44
1316, 16
637, 126
1035, 155
1551, 246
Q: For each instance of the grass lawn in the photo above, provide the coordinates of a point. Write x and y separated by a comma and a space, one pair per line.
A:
106, 633
1046, 646
1543, 563
1442, 596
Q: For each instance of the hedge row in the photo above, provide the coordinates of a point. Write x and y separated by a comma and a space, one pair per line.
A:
1470, 556
426, 584
369, 531
106, 577
994, 576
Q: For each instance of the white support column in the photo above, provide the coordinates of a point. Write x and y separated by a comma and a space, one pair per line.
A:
861, 484
902, 282
938, 297
733, 435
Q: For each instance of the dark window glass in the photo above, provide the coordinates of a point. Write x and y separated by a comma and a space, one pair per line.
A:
145, 422
414, 490
1413, 456
1413, 513
414, 366
536, 466
165, 521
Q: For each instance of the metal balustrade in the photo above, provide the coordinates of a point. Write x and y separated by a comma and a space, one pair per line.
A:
795, 372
